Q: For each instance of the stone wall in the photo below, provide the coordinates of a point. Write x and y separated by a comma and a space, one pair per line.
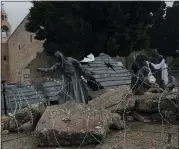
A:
4, 61
42, 61
23, 48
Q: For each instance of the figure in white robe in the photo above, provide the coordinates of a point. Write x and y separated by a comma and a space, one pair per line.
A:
164, 70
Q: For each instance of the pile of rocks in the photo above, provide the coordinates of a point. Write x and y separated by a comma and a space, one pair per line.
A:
24, 120
73, 124
151, 106
144, 108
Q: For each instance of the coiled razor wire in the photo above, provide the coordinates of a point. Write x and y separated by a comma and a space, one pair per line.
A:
62, 90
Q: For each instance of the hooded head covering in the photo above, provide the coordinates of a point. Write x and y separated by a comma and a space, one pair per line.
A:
60, 58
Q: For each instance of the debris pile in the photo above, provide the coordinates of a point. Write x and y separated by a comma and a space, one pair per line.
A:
25, 119
75, 124
150, 106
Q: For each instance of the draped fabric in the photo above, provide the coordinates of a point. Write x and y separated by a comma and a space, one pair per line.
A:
139, 82
73, 87
73, 83
156, 59
164, 70
151, 78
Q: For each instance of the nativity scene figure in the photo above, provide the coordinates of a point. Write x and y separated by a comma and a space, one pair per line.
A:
74, 86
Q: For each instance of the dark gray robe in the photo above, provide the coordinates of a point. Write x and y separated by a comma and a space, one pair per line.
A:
73, 88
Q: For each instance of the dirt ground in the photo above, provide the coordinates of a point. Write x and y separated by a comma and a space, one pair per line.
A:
137, 135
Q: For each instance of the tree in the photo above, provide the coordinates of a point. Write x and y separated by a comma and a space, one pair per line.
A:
77, 28
164, 34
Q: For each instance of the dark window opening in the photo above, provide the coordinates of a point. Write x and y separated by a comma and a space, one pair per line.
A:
5, 58
4, 31
55, 102
19, 47
2, 17
30, 38
5, 17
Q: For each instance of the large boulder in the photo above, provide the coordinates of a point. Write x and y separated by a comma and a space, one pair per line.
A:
27, 127
155, 90
151, 102
74, 124
146, 117
31, 113
116, 100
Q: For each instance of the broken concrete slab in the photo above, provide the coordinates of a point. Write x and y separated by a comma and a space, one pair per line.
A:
27, 127
155, 90
74, 124
31, 113
141, 117
150, 102
5, 132
116, 100
146, 117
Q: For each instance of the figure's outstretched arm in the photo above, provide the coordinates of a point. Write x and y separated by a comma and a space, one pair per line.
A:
47, 69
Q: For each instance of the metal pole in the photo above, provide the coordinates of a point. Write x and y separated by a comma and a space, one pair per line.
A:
4, 94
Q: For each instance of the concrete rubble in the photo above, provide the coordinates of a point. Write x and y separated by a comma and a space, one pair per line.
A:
149, 102
116, 100
150, 107
26, 115
70, 123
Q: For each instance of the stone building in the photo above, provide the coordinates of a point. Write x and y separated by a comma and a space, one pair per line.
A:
18, 50
5, 33
21, 54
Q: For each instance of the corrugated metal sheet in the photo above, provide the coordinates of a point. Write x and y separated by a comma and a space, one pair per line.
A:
18, 97
107, 77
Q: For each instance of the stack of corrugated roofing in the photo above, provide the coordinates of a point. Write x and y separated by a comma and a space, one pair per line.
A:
20, 96
106, 76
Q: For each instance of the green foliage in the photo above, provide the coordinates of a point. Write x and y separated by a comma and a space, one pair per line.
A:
77, 28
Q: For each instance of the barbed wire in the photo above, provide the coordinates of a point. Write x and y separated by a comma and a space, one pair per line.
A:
62, 89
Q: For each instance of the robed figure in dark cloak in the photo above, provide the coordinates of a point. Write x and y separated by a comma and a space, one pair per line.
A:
74, 87
140, 72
